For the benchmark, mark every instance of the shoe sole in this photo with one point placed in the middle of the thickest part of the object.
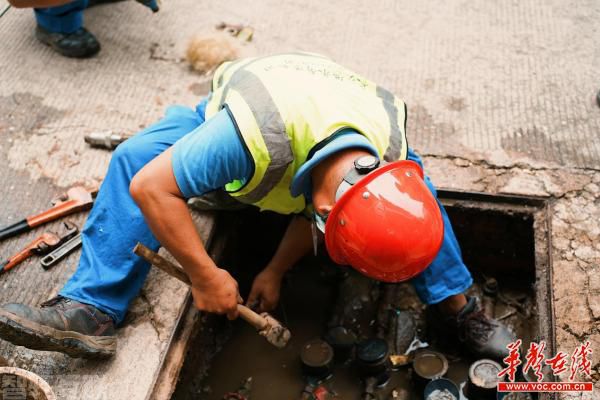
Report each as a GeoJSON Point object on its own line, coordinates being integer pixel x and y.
{"type": "Point", "coordinates": [32, 335]}
{"type": "Point", "coordinates": [81, 54]}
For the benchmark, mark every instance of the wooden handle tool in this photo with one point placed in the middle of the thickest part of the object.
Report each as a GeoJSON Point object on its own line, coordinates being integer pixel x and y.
{"type": "Point", "coordinates": [265, 324]}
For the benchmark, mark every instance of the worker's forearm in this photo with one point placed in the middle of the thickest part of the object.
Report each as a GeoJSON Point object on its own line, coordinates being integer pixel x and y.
{"type": "Point", "coordinates": [171, 222]}
{"type": "Point", "coordinates": [295, 244]}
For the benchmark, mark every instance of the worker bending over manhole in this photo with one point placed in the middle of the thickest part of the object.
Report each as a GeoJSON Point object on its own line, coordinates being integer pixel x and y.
{"type": "Point", "coordinates": [291, 133]}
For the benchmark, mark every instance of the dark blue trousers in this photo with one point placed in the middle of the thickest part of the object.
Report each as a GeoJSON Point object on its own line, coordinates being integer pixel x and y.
{"type": "Point", "coordinates": [62, 19]}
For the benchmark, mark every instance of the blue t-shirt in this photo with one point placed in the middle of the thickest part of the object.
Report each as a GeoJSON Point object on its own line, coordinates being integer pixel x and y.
{"type": "Point", "coordinates": [213, 155]}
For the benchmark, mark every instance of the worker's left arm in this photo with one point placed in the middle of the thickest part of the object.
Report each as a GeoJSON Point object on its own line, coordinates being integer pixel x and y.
{"type": "Point", "coordinates": [295, 244]}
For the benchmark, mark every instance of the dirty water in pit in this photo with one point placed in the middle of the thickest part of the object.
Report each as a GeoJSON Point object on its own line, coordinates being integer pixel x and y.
{"type": "Point", "coordinates": [307, 303]}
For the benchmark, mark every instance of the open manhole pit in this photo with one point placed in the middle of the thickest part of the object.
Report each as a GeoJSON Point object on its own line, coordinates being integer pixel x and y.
{"type": "Point", "coordinates": [504, 239]}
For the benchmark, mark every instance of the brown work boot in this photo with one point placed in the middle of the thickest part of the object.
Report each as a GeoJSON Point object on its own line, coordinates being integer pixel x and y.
{"type": "Point", "coordinates": [479, 335]}
{"type": "Point", "coordinates": [60, 324]}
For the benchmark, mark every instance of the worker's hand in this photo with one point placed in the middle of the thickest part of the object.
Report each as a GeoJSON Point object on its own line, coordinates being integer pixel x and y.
{"type": "Point", "coordinates": [265, 291]}
{"type": "Point", "coordinates": [218, 294]}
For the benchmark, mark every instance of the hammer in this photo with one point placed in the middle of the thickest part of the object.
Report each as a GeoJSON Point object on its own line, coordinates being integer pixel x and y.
{"type": "Point", "coordinates": [265, 324]}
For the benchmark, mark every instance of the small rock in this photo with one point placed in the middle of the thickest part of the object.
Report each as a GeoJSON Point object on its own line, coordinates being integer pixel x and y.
{"type": "Point", "coordinates": [586, 253]}
{"type": "Point", "coordinates": [561, 243]}
{"type": "Point", "coordinates": [461, 162]}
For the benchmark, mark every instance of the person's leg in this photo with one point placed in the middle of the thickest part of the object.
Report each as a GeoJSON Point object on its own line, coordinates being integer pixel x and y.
{"type": "Point", "coordinates": [451, 313]}
{"type": "Point", "coordinates": [80, 321]}
{"type": "Point", "coordinates": [62, 19]}
{"type": "Point", "coordinates": [62, 28]}
{"type": "Point", "coordinates": [109, 275]}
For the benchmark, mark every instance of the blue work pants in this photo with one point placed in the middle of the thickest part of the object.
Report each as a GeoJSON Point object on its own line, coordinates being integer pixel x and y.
{"type": "Point", "coordinates": [62, 19]}
{"type": "Point", "coordinates": [109, 275]}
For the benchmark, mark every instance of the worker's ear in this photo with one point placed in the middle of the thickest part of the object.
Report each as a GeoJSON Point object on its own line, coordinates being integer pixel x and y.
{"type": "Point", "coordinates": [324, 209]}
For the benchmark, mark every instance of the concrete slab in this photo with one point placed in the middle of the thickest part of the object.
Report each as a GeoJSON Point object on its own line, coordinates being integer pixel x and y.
{"type": "Point", "coordinates": [501, 98]}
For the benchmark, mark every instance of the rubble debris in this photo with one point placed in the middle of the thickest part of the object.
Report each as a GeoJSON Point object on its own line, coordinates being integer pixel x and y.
{"type": "Point", "coordinates": [399, 394]}
{"type": "Point", "coordinates": [320, 392]}
{"type": "Point", "coordinates": [397, 326]}
{"type": "Point", "coordinates": [240, 31]}
{"type": "Point", "coordinates": [488, 300]}
{"type": "Point", "coordinates": [356, 297]}
{"type": "Point", "coordinates": [207, 52]}
{"type": "Point", "coordinates": [400, 360]}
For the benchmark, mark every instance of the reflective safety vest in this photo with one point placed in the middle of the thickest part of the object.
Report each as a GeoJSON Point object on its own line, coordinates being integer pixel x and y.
{"type": "Point", "coordinates": [285, 105]}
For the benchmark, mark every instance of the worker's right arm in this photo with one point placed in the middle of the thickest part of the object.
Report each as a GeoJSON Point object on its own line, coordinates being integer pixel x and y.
{"type": "Point", "coordinates": [203, 160]}
{"type": "Point", "coordinates": [155, 191]}
{"type": "Point", "coordinates": [38, 3]}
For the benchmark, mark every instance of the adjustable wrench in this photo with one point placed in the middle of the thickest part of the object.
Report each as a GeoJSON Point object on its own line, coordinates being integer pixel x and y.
{"type": "Point", "coordinates": [67, 248]}
{"type": "Point", "coordinates": [76, 199]}
{"type": "Point", "coordinates": [43, 244]}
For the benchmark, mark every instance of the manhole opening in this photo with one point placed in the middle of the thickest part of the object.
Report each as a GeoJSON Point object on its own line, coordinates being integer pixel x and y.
{"type": "Point", "coordinates": [501, 237]}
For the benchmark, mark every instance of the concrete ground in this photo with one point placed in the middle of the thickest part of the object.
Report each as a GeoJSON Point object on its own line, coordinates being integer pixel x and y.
{"type": "Point", "coordinates": [501, 99]}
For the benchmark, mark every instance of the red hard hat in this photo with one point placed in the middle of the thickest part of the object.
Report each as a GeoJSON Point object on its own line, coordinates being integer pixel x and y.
{"type": "Point", "coordinates": [388, 225]}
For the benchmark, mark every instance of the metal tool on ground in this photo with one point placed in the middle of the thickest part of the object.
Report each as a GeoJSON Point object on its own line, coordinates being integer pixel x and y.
{"type": "Point", "coordinates": [76, 199]}
{"type": "Point", "coordinates": [105, 140]}
{"type": "Point", "coordinates": [265, 324]}
{"type": "Point", "coordinates": [43, 244]}
{"type": "Point", "coordinates": [61, 252]}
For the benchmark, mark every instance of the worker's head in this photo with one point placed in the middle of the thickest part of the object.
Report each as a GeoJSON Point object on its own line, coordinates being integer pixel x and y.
{"type": "Point", "coordinates": [380, 219]}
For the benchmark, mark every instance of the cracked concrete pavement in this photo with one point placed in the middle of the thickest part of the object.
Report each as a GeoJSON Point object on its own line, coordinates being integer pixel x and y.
{"type": "Point", "coordinates": [501, 99]}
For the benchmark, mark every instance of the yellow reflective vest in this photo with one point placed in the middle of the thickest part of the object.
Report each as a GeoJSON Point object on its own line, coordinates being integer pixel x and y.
{"type": "Point", "coordinates": [285, 105]}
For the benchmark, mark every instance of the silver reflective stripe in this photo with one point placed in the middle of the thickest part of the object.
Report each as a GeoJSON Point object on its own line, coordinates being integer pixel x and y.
{"type": "Point", "coordinates": [228, 84]}
{"type": "Point", "coordinates": [393, 151]}
{"type": "Point", "coordinates": [222, 76]}
{"type": "Point", "coordinates": [226, 88]}
{"type": "Point", "coordinates": [272, 129]}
